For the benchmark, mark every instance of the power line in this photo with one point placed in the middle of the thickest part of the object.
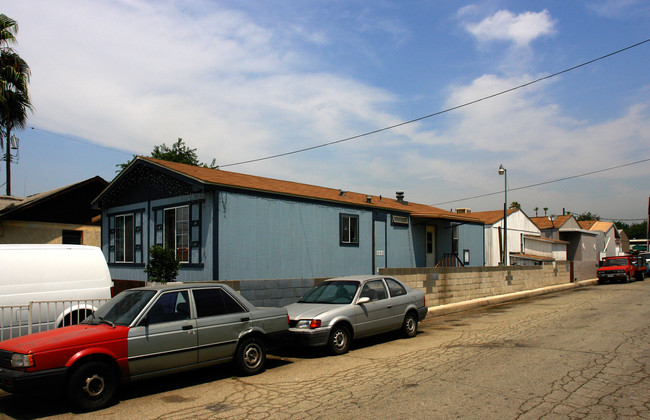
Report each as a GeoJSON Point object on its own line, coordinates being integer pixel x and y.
{"type": "Point", "coordinates": [546, 182]}
{"type": "Point", "coordinates": [439, 112]}
{"type": "Point", "coordinates": [78, 140]}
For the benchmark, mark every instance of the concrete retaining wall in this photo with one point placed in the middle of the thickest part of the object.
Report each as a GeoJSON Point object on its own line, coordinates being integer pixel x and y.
{"type": "Point", "coordinates": [451, 285]}
{"type": "Point", "coordinates": [441, 285]}
{"type": "Point", "coordinates": [274, 293]}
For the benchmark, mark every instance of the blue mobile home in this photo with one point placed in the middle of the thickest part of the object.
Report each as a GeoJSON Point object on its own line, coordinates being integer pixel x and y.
{"type": "Point", "coordinates": [229, 226]}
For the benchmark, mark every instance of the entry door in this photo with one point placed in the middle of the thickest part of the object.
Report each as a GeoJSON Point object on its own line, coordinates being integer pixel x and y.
{"type": "Point", "coordinates": [430, 246]}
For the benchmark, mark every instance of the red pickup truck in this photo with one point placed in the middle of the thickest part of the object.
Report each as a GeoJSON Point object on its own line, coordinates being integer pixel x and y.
{"type": "Point", "coordinates": [622, 268]}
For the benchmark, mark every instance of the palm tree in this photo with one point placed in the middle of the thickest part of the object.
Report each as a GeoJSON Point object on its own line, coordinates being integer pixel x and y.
{"type": "Point", "coordinates": [14, 97]}
{"type": "Point", "coordinates": [8, 29]}
{"type": "Point", "coordinates": [515, 205]}
{"type": "Point", "coordinates": [545, 210]}
{"type": "Point", "coordinates": [536, 209]}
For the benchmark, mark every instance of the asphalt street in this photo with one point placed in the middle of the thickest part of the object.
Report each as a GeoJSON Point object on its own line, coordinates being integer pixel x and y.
{"type": "Point", "coordinates": [578, 353]}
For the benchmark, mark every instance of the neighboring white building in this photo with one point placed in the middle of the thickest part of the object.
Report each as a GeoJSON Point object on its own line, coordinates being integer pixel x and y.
{"type": "Point", "coordinates": [538, 249]}
{"type": "Point", "coordinates": [519, 227]}
{"type": "Point", "coordinates": [609, 240]}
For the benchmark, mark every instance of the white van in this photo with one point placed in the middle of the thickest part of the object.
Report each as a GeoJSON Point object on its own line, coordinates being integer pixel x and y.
{"type": "Point", "coordinates": [68, 281]}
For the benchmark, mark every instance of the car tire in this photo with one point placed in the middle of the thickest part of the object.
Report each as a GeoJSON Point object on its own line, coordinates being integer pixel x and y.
{"type": "Point", "coordinates": [410, 325]}
{"type": "Point", "coordinates": [92, 386]}
{"type": "Point", "coordinates": [627, 278]}
{"type": "Point", "coordinates": [339, 340]}
{"type": "Point", "coordinates": [250, 356]}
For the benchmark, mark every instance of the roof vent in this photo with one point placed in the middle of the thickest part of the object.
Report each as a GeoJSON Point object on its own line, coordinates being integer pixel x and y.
{"type": "Point", "coordinates": [463, 211]}
{"type": "Point", "coordinates": [342, 193]}
{"type": "Point", "coordinates": [368, 199]}
{"type": "Point", "coordinates": [400, 197]}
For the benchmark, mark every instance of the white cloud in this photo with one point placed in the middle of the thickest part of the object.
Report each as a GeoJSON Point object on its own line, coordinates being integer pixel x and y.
{"type": "Point", "coordinates": [621, 8]}
{"type": "Point", "coordinates": [519, 29]}
{"type": "Point", "coordinates": [237, 90]}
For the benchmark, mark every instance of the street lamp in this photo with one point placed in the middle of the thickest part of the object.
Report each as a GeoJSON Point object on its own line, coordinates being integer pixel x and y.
{"type": "Point", "coordinates": [502, 171]}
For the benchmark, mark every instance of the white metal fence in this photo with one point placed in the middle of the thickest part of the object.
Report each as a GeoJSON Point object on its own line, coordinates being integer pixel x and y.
{"type": "Point", "coordinates": [16, 321]}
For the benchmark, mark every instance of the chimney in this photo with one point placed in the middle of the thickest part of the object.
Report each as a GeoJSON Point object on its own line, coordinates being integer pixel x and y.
{"type": "Point", "coordinates": [400, 197]}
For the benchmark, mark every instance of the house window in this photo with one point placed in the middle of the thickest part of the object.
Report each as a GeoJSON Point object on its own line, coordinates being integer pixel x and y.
{"type": "Point", "coordinates": [454, 240]}
{"type": "Point", "coordinates": [71, 237]}
{"type": "Point", "coordinates": [429, 242]}
{"type": "Point", "coordinates": [349, 229]}
{"type": "Point", "coordinates": [177, 232]}
{"type": "Point", "coordinates": [124, 238]}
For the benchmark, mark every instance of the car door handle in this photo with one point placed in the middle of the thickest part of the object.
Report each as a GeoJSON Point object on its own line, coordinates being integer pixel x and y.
{"type": "Point", "coordinates": [244, 319]}
{"type": "Point", "coordinates": [187, 327]}
{"type": "Point", "coordinates": [389, 306]}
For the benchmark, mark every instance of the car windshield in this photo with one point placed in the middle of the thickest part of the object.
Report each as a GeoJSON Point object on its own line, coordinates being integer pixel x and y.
{"type": "Point", "coordinates": [337, 292]}
{"type": "Point", "coordinates": [614, 262]}
{"type": "Point", "coordinates": [122, 309]}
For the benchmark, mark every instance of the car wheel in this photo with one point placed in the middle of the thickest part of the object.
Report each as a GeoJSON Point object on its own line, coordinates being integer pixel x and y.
{"type": "Point", "coordinates": [627, 278]}
{"type": "Point", "coordinates": [250, 356]}
{"type": "Point", "coordinates": [410, 325]}
{"type": "Point", "coordinates": [92, 386]}
{"type": "Point", "coordinates": [339, 341]}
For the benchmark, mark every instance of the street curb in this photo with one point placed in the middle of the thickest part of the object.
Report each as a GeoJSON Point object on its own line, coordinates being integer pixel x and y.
{"type": "Point", "coordinates": [468, 305]}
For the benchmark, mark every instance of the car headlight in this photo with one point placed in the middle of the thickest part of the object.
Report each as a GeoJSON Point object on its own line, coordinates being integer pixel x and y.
{"type": "Point", "coordinates": [308, 323]}
{"type": "Point", "coordinates": [22, 360]}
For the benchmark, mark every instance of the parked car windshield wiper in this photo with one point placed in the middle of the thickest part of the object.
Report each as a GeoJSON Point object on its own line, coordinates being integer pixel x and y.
{"type": "Point", "coordinates": [105, 321]}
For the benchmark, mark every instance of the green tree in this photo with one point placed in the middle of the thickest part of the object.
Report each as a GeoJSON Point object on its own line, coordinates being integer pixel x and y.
{"type": "Point", "coordinates": [587, 216]}
{"type": "Point", "coordinates": [637, 230]}
{"type": "Point", "coordinates": [14, 96]}
{"type": "Point", "coordinates": [178, 152]}
{"type": "Point", "coordinates": [162, 265]}
{"type": "Point", "coordinates": [515, 205]}
{"type": "Point", "coordinates": [545, 210]}
{"type": "Point", "coordinates": [536, 210]}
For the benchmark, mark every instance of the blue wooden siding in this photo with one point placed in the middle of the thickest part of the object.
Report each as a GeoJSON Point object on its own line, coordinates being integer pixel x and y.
{"type": "Point", "coordinates": [149, 212]}
{"type": "Point", "coordinates": [470, 237]}
{"type": "Point", "coordinates": [400, 252]}
{"type": "Point", "coordinates": [245, 236]}
{"type": "Point", "coordinates": [269, 238]}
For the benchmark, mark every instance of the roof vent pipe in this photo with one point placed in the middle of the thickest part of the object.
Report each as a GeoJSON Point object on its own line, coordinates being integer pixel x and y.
{"type": "Point", "coordinates": [400, 197]}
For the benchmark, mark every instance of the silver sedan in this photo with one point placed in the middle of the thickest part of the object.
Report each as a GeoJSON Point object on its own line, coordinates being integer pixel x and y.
{"type": "Point", "coordinates": [341, 309]}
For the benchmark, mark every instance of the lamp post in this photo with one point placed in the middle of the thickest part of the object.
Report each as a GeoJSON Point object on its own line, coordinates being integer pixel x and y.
{"type": "Point", "coordinates": [502, 171]}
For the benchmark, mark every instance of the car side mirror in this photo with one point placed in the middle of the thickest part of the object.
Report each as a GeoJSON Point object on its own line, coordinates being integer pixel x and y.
{"type": "Point", "coordinates": [363, 300]}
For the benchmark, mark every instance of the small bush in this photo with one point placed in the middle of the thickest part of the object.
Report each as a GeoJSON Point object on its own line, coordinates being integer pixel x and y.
{"type": "Point", "coordinates": [162, 265]}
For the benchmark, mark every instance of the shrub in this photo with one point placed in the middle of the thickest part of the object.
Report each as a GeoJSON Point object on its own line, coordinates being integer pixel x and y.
{"type": "Point", "coordinates": [162, 265]}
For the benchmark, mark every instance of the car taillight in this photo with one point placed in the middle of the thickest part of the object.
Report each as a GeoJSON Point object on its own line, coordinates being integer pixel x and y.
{"type": "Point", "coordinates": [315, 323]}
{"type": "Point", "coordinates": [288, 320]}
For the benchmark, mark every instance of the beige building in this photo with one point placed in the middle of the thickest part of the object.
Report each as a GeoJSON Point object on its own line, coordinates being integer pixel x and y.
{"type": "Point", "coordinates": [60, 216]}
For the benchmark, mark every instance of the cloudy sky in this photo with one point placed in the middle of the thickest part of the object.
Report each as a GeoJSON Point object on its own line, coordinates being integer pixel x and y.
{"type": "Point", "coordinates": [243, 80]}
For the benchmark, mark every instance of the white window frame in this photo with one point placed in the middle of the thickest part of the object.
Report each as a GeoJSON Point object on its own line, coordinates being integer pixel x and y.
{"type": "Point", "coordinates": [184, 257]}
{"type": "Point", "coordinates": [131, 237]}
